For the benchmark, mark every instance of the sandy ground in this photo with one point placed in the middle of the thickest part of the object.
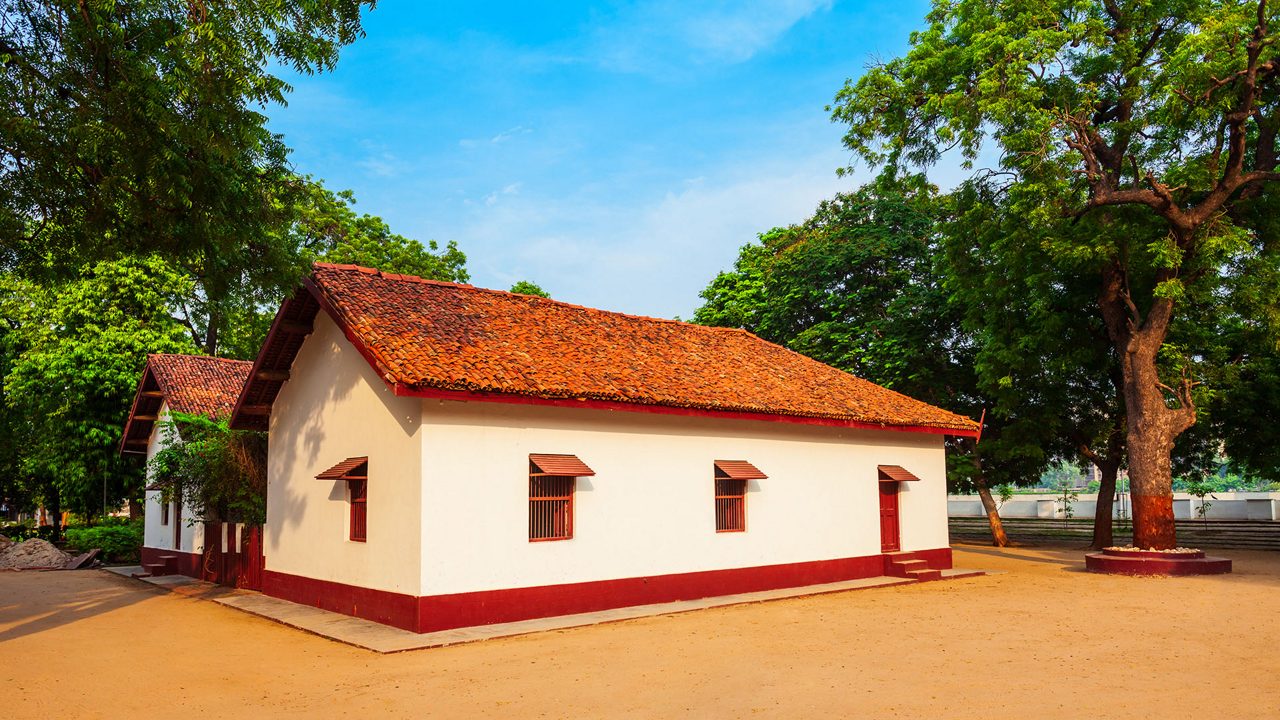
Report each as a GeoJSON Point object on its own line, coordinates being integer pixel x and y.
{"type": "Point", "coordinates": [1043, 640]}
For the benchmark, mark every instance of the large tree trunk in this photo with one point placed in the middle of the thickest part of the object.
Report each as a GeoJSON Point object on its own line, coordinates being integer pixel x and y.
{"type": "Point", "coordinates": [1151, 424]}
{"type": "Point", "coordinates": [998, 536]}
{"type": "Point", "coordinates": [1103, 527]}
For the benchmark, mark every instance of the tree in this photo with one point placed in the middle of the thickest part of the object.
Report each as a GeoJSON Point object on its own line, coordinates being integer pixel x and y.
{"type": "Point", "coordinates": [83, 344]}
{"type": "Point", "coordinates": [135, 128]}
{"type": "Point", "coordinates": [1154, 124]}
{"type": "Point", "coordinates": [321, 225]}
{"type": "Point", "coordinates": [1040, 346]}
{"type": "Point", "coordinates": [220, 473]}
{"type": "Point", "coordinates": [525, 287]}
{"type": "Point", "coordinates": [861, 286]}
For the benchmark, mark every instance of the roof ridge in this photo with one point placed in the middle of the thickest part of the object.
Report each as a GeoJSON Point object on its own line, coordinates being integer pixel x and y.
{"type": "Point", "coordinates": [200, 357]}
{"type": "Point", "coordinates": [536, 298]}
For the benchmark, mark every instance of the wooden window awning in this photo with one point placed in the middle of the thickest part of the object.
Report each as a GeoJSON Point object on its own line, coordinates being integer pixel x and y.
{"type": "Point", "coordinates": [738, 470]}
{"type": "Point", "coordinates": [351, 468]}
{"type": "Point", "coordinates": [562, 465]}
{"type": "Point", "coordinates": [895, 473]}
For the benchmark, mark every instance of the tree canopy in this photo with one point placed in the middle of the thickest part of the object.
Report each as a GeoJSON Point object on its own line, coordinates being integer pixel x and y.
{"type": "Point", "coordinates": [75, 351]}
{"type": "Point", "coordinates": [525, 287]}
{"type": "Point", "coordinates": [137, 127]}
{"type": "Point", "coordinates": [1153, 126]}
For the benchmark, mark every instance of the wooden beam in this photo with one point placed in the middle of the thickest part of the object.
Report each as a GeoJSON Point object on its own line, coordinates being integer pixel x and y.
{"type": "Point", "coordinates": [294, 328]}
{"type": "Point", "coordinates": [255, 409]}
{"type": "Point", "coordinates": [140, 441]}
{"type": "Point", "coordinates": [152, 393]}
{"type": "Point", "coordinates": [280, 375]}
{"type": "Point", "coordinates": [145, 417]}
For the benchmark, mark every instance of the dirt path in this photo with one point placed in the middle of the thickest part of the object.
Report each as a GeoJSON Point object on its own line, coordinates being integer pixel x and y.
{"type": "Point", "coordinates": [1044, 640]}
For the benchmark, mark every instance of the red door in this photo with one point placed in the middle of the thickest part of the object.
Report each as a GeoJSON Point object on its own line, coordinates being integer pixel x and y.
{"type": "Point", "coordinates": [249, 574]}
{"type": "Point", "coordinates": [889, 517]}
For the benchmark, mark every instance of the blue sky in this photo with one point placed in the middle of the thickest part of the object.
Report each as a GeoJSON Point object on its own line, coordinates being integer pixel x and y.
{"type": "Point", "coordinates": [618, 154]}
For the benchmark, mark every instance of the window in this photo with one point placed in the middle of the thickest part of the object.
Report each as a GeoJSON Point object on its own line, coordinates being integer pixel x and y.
{"type": "Point", "coordinates": [731, 493]}
{"type": "Point", "coordinates": [552, 480]}
{"type": "Point", "coordinates": [355, 472]}
{"type": "Point", "coordinates": [731, 505]}
{"type": "Point", "coordinates": [359, 519]}
{"type": "Point", "coordinates": [551, 507]}
{"type": "Point", "coordinates": [164, 511]}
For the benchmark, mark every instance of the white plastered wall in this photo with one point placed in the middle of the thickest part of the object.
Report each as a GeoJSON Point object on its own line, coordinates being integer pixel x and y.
{"type": "Point", "coordinates": [154, 534]}
{"type": "Point", "coordinates": [649, 508]}
{"type": "Point", "coordinates": [335, 407]}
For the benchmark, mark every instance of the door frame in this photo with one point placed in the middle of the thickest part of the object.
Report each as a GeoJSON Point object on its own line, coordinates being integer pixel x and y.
{"type": "Point", "coordinates": [895, 544]}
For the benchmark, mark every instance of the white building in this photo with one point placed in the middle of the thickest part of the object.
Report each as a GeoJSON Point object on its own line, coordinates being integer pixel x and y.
{"type": "Point", "coordinates": [187, 384]}
{"type": "Point", "coordinates": [444, 456]}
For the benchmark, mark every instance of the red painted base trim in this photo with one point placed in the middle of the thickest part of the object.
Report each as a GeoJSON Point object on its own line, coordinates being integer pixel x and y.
{"type": "Point", "coordinates": [445, 612]}
{"type": "Point", "coordinates": [184, 563]}
{"type": "Point", "coordinates": [1145, 564]}
{"type": "Point", "coordinates": [388, 608]}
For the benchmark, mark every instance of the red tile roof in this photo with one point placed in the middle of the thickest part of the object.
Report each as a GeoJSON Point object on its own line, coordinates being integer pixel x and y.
{"type": "Point", "coordinates": [200, 385]}
{"type": "Point", "coordinates": [424, 335]}
{"type": "Point", "coordinates": [190, 384]}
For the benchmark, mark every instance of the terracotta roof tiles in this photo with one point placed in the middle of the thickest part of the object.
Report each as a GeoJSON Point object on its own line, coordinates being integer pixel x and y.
{"type": "Point", "coordinates": [190, 384]}
{"type": "Point", "coordinates": [423, 334]}
{"type": "Point", "coordinates": [200, 385]}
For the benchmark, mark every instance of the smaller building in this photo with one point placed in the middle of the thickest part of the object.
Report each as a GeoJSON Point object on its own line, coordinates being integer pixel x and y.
{"type": "Point", "coordinates": [191, 385]}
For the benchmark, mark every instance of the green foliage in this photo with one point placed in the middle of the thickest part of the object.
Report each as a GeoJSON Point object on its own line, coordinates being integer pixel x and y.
{"type": "Point", "coordinates": [1067, 497]}
{"type": "Point", "coordinates": [1137, 159]}
{"type": "Point", "coordinates": [137, 128]}
{"type": "Point", "coordinates": [328, 228]}
{"type": "Point", "coordinates": [76, 350]}
{"type": "Point", "coordinates": [18, 532]}
{"type": "Point", "coordinates": [219, 473]}
{"type": "Point", "coordinates": [1005, 492]}
{"type": "Point", "coordinates": [119, 542]}
{"type": "Point", "coordinates": [862, 286]}
{"type": "Point", "coordinates": [525, 287]}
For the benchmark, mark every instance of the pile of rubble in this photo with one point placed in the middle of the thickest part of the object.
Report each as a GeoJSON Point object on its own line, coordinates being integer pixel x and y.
{"type": "Point", "coordinates": [30, 554]}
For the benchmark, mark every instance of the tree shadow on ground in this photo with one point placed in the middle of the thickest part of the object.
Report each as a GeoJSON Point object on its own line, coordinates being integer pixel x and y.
{"type": "Point", "coordinates": [33, 603]}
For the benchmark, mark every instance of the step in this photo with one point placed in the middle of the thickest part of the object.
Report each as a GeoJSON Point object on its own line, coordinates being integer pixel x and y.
{"type": "Point", "coordinates": [140, 575]}
{"type": "Point", "coordinates": [156, 569]}
{"type": "Point", "coordinates": [924, 575]}
{"type": "Point", "coordinates": [902, 568]}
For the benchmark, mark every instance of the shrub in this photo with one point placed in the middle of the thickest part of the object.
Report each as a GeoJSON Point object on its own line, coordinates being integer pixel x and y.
{"type": "Point", "coordinates": [119, 541]}
{"type": "Point", "coordinates": [18, 532]}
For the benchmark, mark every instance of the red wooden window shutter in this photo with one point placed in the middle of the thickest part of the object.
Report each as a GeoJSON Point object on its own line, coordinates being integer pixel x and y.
{"type": "Point", "coordinates": [552, 481]}
{"type": "Point", "coordinates": [359, 509]}
{"type": "Point", "coordinates": [731, 493]}
{"type": "Point", "coordinates": [355, 472]}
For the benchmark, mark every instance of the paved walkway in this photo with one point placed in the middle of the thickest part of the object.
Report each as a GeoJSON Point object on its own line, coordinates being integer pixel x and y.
{"type": "Point", "coordinates": [386, 639]}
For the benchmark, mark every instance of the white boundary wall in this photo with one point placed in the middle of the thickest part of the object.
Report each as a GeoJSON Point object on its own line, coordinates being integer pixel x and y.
{"type": "Point", "coordinates": [1226, 506]}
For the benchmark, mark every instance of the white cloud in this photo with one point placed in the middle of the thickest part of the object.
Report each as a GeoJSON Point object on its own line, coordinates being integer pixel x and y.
{"type": "Point", "coordinates": [660, 36]}
{"type": "Point", "coordinates": [498, 139]}
{"type": "Point", "coordinates": [648, 257]}
{"type": "Point", "coordinates": [492, 198]}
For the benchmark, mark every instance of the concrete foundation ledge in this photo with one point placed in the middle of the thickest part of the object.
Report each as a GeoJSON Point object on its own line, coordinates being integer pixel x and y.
{"type": "Point", "coordinates": [1150, 562]}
